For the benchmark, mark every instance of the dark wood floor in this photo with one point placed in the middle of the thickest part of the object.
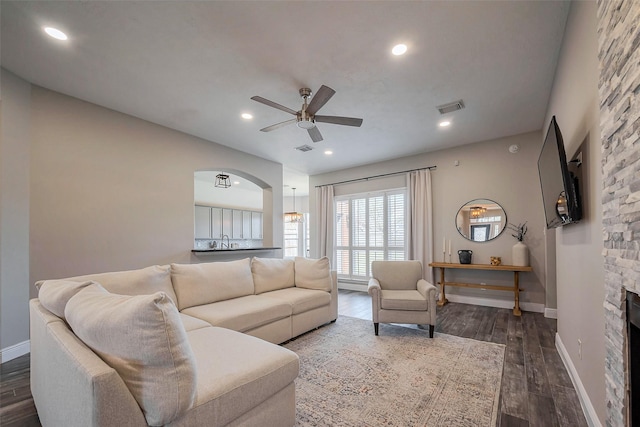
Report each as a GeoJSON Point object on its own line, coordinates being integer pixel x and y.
{"type": "Point", "coordinates": [536, 389]}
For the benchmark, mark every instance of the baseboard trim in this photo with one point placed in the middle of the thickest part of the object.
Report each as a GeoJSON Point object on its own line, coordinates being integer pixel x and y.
{"type": "Point", "coordinates": [551, 313]}
{"type": "Point", "coordinates": [352, 287]}
{"type": "Point", "coordinates": [499, 303]}
{"type": "Point", "coordinates": [15, 351]}
{"type": "Point", "coordinates": [585, 402]}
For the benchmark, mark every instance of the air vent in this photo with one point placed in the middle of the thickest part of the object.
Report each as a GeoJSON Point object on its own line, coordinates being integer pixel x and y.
{"type": "Point", "coordinates": [451, 107]}
{"type": "Point", "coordinates": [304, 148]}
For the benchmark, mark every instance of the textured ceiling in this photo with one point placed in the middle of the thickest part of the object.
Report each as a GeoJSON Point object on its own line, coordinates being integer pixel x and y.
{"type": "Point", "coordinates": [193, 66]}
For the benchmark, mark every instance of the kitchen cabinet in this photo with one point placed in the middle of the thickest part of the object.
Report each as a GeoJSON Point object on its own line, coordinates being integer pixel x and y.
{"type": "Point", "coordinates": [238, 230]}
{"type": "Point", "coordinates": [203, 222]}
{"type": "Point", "coordinates": [216, 223]}
{"type": "Point", "coordinates": [213, 223]}
{"type": "Point", "coordinates": [256, 225]}
{"type": "Point", "coordinates": [227, 222]}
{"type": "Point", "coordinates": [246, 224]}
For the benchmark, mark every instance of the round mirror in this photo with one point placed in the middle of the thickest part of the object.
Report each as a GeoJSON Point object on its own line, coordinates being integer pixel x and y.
{"type": "Point", "coordinates": [481, 220]}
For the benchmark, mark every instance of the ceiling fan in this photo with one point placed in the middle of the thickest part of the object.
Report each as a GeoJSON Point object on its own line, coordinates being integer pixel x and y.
{"type": "Point", "coordinates": [306, 117]}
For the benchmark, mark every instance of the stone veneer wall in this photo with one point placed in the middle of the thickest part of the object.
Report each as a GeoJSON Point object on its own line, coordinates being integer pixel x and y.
{"type": "Point", "coordinates": [619, 87]}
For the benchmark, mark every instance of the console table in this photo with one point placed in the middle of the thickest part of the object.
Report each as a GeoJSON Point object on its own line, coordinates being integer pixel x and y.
{"type": "Point", "coordinates": [516, 277]}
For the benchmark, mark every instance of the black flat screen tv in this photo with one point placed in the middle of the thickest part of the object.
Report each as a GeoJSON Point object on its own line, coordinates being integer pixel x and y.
{"type": "Point", "coordinates": [560, 192]}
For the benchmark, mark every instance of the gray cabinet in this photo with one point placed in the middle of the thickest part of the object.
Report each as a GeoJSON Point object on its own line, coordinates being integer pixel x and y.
{"type": "Point", "coordinates": [246, 224]}
{"type": "Point", "coordinates": [256, 225]}
{"type": "Point", "coordinates": [213, 223]}
{"type": "Point", "coordinates": [238, 231]}
{"type": "Point", "coordinates": [227, 222]}
{"type": "Point", "coordinates": [203, 222]}
{"type": "Point", "coordinates": [216, 223]}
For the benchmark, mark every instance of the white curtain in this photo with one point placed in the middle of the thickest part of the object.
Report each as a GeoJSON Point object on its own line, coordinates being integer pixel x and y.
{"type": "Point", "coordinates": [421, 220]}
{"type": "Point", "coordinates": [326, 219]}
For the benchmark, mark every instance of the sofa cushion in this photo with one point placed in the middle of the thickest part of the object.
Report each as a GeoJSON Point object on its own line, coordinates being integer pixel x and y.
{"type": "Point", "coordinates": [301, 299]}
{"type": "Point", "coordinates": [313, 273]}
{"type": "Point", "coordinates": [55, 294]}
{"type": "Point", "coordinates": [403, 300]}
{"type": "Point", "coordinates": [236, 372]}
{"type": "Point", "coordinates": [241, 314]}
{"type": "Point", "coordinates": [270, 274]}
{"type": "Point", "coordinates": [198, 284]}
{"type": "Point", "coordinates": [143, 339]}
{"type": "Point", "coordinates": [191, 323]}
{"type": "Point", "coordinates": [144, 281]}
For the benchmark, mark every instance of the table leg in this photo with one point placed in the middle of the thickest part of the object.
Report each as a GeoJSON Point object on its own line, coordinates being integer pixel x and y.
{"type": "Point", "coordinates": [516, 293]}
{"type": "Point", "coordinates": [443, 300]}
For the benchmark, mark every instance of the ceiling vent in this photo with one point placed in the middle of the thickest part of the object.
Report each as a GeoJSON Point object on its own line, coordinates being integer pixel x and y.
{"type": "Point", "coordinates": [304, 148]}
{"type": "Point", "coordinates": [451, 107]}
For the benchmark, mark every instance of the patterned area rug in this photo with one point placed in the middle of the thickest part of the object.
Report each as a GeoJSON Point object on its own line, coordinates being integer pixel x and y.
{"type": "Point", "coordinates": [350, 377]}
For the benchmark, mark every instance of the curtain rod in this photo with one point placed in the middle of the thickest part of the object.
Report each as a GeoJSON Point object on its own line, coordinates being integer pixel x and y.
{"type": "Point", "coordinates": [376, 176]}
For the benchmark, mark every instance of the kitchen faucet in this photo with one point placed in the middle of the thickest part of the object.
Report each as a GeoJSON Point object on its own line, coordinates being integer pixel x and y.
{"type": "Point", "coordinates": [222, 245]}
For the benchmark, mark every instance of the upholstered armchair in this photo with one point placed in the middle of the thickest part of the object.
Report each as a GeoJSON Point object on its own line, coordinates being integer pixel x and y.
{"type": "Point", "coordinates": [399, 294]}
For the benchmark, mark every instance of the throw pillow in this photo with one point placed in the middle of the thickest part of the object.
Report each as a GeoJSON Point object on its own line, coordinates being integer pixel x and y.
{"type": "Point", "coordinates": [142, 338]}
{"type": "Point", "coordinates": [270, 274]}
{"type": "Point", "coordinates": [313, 273]}
{"type": "Point", "coordinates": [55, 294]}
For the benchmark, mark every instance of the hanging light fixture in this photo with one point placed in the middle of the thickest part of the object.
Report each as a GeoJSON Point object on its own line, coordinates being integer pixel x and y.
{"type": "Point", "coordinates": [223, 180]}
{"type": "Point", "coordinates": [293, 216]}
{"type": "Point", "coordinates": [477, 211]}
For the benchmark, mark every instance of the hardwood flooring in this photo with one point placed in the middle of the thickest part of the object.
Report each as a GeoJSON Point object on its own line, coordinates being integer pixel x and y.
{"type": "Point", "coordinates": [536, 389]}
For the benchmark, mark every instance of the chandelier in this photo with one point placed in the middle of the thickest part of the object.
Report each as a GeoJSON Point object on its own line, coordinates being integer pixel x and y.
{"type": "Point", "coordinates": [477, 211]}
{"type": "Point", "coordinates": [294, 216]}
{"type": "Point", "coordinates": [223, 181]}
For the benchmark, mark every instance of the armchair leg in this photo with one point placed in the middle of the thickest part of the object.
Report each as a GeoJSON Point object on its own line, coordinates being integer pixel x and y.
{"type": "Point", "coordinates": [375, 327]}
{"type": "Point", "coordinates": [431, 329]}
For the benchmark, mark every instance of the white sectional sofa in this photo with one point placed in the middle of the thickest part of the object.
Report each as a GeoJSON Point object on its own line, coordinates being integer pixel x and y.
{"type": "Point", "coordinates": [178, 345]}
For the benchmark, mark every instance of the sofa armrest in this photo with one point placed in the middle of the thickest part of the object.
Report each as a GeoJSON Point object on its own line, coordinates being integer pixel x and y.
{"type": "Point", "coordinates": [334, 294]}
{"type": "Point", "coordinates": [425, 288]}
{"type": "Point", "coordinates": [429, 292]}
{"type": "Point", "coordinates": [92, 388]}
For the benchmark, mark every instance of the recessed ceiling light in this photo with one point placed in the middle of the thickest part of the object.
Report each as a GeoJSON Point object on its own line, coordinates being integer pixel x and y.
{"type": "Point", "coordinates": [246, 116]}
{"type": "Point", "coordinates": [236, 182]}
{"type": "Point", "coordinates": [399, 49]}
{"type": "Point", "coordinates": [444, 123]}
{"type": "Point", "coordinates": [55, 33]}
{"type": "Point", "coordinates": [328, 152]}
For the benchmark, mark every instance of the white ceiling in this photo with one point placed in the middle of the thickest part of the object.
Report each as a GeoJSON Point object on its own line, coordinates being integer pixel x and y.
{"type": "Point", "coordinates": [193, 66]}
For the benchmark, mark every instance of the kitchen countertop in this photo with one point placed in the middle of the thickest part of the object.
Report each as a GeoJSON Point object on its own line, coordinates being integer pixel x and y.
{"type": "Point", "coordinates": [211, 250]}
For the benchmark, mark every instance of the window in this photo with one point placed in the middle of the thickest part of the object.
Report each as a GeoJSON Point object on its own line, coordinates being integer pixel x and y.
{"type": "Point", "coordinates": [296, 238]}
{"type": "Point", "coordinates": [369, 228]}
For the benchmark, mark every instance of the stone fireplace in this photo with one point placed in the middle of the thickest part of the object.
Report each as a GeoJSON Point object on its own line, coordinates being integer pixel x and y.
{"type": "Point", "coordinates": [619, 92]}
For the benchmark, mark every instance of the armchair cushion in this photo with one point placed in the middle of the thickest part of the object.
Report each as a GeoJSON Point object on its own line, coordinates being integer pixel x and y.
{"type": "Point", "coordinates": [403, 300]}
{"type": "Point", "coordinates": [397, 274]}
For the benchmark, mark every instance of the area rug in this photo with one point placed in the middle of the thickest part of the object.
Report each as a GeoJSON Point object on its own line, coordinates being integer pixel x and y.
{"type": "Point", "coordinates": [350, 377]}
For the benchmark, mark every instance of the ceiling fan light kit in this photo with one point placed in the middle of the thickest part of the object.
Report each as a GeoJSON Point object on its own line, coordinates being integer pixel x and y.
{"type": "Point", "coordinates": [306, 117]}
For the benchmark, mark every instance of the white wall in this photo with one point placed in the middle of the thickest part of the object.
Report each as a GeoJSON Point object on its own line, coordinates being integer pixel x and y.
{"type": "Point", "coordinates": [112, 192]}
{"type": "Point", "coordinates": [14, 215]}
{"type": "Point", "coordinates": [486, 170]}
{"type": "Point", "coordinates": [579, 261]}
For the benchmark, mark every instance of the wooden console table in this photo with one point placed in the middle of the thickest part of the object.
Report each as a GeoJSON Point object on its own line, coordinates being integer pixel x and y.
{"type": "Point", "coordinates": [516, 277]}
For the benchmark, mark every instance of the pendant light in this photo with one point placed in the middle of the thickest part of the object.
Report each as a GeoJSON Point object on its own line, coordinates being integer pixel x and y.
{"type": "Point", "coordinates": [223, 180]}
{"type": "Point", "coordinates": [294, 216]}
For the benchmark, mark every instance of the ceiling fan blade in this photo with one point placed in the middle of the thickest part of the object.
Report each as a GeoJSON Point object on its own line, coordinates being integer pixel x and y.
{"type": "Point", "coordinates": [273, 104]}
{"type": "Point", "coordinates": [320, 98]}
{"type": "Point", "coordinates": [337, 120]}
{"type": "Point", "coordinates": [315, 134]}
{"type": "Point", "coordinates": [277, 125]}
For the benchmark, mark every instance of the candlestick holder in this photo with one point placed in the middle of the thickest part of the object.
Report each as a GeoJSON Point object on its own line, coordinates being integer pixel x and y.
{"type": "Point", "coordinates": [449, 258]}
{"type": "Point", "coordinates": [444, 256]}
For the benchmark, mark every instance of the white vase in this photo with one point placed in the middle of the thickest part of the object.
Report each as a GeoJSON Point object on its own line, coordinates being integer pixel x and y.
{"type": "Point", "coordinates": [520, 255]}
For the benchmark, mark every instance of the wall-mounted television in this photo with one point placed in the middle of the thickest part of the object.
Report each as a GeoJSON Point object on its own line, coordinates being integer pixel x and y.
{"type": "Point", "coordinates": [560, 189]}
